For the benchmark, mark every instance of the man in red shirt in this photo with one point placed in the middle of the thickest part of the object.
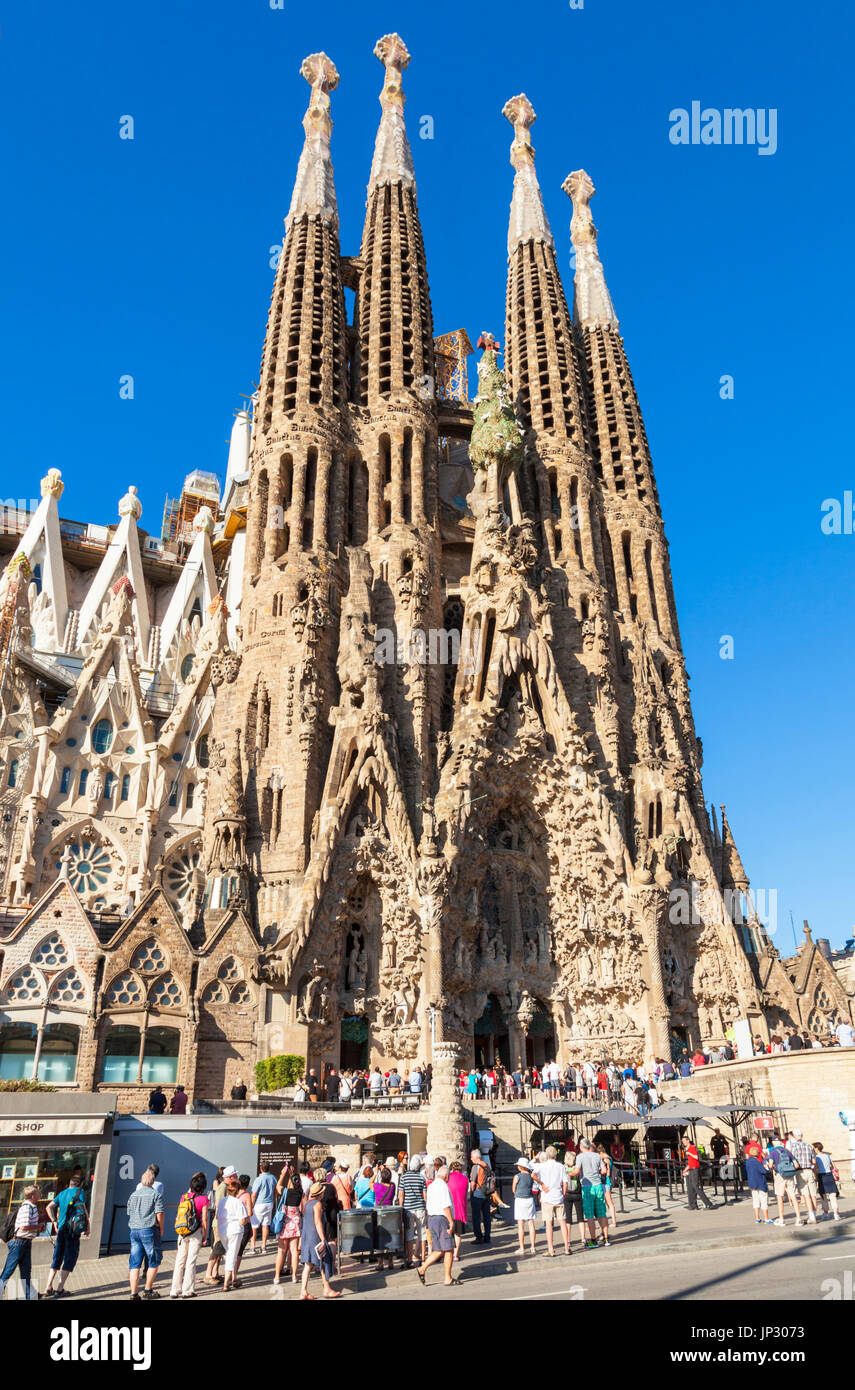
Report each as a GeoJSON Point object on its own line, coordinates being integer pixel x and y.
{"type": "Point", "coordinates": [699, 1060]}
{"type": "Point", "coordinates": [692, 1174]}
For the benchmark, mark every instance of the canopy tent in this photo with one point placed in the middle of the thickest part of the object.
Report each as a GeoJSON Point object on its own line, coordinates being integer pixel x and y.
{"type": "Point", "coordinates": [541, 1118]}
{"type": "Point", "coordinates": [611, 1119]}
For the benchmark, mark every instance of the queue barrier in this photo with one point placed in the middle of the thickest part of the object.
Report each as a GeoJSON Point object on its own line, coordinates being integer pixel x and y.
{"type": "Point", "coordinates": [370, 1231]}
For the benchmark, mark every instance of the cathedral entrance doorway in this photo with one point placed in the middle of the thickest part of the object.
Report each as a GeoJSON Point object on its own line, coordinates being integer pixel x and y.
{"type": "Point", "coordinates": [491, 1040]}
{"type": "Point", "coordinates": [354, 1043]}
{"type": "Point", "coordinates": [540, 1043]}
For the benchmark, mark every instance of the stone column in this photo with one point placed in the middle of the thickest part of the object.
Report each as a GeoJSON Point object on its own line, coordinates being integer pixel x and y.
{"type": "Point", "coordinates": [445, 1122]}
{"type": "Point", "coordinates": [653, 901]}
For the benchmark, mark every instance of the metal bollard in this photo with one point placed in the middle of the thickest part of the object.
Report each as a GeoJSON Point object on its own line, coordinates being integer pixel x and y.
{"type": "Point", "coordinates": [621, 1186]}
{"type": "Point", "coordinates": [656, 1180]}
{"type": "Point", "coordinates": [635, 1182]}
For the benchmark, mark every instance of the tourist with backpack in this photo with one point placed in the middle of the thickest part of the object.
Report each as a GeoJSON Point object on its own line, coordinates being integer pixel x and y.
{"type": "Point", "coordinates": [68, 1213]}
{"type": "Point", "coordinates": [18, 1231]}
{"type": "Point", "coordinates": [191, 1228]}
{"type": "Point", "coordinates": [482, 1185]}
{"type": "Point", "coordinates": [785, 1168]}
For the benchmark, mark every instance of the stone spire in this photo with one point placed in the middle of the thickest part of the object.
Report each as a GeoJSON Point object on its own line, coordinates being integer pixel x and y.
{"type": "Point", "coordinates": [593, 304]}
{"type": "Point", "coordinates": [314, 190]}
{"type": "Point", "coordinates": [528, 217]}
{"type": "Point", "coordinates": [393, 161]}
{"type": "Point", "coordinates": [393, 315]}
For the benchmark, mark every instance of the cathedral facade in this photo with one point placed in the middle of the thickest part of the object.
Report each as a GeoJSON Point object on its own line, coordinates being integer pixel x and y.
{"type": "Point", "coordinates": [389, 744]}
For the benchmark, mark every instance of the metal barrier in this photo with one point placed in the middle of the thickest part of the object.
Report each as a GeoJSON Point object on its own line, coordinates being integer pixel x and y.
{"type": "Point", "coordinates": [370, 1231]}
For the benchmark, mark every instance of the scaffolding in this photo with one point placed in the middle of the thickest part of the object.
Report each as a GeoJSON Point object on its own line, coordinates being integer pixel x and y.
{"type": "Point", "coordinates": [451, 351]}
{"type": "Point", "coordinates": [200, 489]}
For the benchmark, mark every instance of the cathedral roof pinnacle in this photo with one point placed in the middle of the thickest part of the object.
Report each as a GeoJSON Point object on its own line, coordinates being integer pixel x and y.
{"type": "Point", "coordinates": [593, 304]}
{"type": "Point", "coordinates": [393, 160]}
{"type": "Point", "coordinates": [130, 505]}
{"type": "Point", "coordinates": [528, 216]}
{"type": "Point", "coordinates": [314, 190]}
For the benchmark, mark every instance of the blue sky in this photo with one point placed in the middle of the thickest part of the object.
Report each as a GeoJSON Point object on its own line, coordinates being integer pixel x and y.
{"type": "Point", "coordinates": [151, 257]}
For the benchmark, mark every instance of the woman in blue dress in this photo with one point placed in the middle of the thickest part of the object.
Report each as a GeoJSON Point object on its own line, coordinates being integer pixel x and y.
{"type": "Point", "coordinates": [315, 1246]}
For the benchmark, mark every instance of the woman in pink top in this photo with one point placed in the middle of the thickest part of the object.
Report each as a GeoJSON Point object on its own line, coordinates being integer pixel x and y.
{"type": "Point", "coordinates": [384, 1195]}
{"type": "Point", "coordinates": [458, 1186]}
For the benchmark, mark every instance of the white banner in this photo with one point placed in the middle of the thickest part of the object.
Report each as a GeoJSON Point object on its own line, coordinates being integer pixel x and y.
{"type": "Point", "coordinates": [27, 1127]}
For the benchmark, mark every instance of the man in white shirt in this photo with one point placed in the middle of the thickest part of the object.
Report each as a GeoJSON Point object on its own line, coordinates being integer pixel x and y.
{"type": "Point", "coordinates": [845, 1034]}
{"type": "Point", "coordinates": [20, 1247]}
{"type": "Point", "coordinates": [440, 1218]}
{"type": "Point", "coordinates": [553, 1185]}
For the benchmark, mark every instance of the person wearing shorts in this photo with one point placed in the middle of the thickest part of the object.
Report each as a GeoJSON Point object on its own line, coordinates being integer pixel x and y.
{"type": "Point", "coordinates": [785, 1182]}
{"type": "Point", "coordinates": [588, 1170]}
{"type": "Point", "coordinates": [145, 1223]}
{"type": "Point", "coordinates": [263, 1192]}
{"type": "Point", "coordinates": [805, 1157]}
{"type": "Point", "coordinates": [756, 1170]}
{"type": "Point", "coordinates": [552, 1181]}
{"type": "Point", "coordinates": [440, 1216]}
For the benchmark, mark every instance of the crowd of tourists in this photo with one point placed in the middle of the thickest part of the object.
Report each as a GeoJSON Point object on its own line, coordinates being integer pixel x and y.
{"type": "Point", "coordinates": [338, 1087]}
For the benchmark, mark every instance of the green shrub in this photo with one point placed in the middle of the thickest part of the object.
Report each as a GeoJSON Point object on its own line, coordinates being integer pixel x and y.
{"type": "Point", "coordinates": [25, 1086]}
{"type": "Point", "coordinates": [272, 1073]}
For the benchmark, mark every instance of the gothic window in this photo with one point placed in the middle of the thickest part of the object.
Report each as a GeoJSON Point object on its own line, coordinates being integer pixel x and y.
{"type": "Point", "coordinates": [68, 989]}
{"type": "Point", "coordinates": [166, 993]}
{"type": "Point", "coordinates": [215, 993]}
{"type": "Point", "coordinates": [186, 666]}
{"type": "Point", "coordinates": [229, 970]}
{"type": "Point", "coordinates": [102, 736]}
{"type": "Point", "coordinates": [126, 786]}
{"type": "Point", "coordinates": [25, 987]}
{"type": "Point", "coordinates": [241, 994]}
{"type": "Point", "coordinates": [13, 773]}
{"type": "Point", "coordinates": [149, 958]}
{"type": "Point", "coordinates": [203, 755]}
{"type": "Point", "coordinates": [109, 786]}
{"type": "Point", "coordinates": [52, 954]}
{"type": "Point", "coordinates": [65, 781]}
{"type": "Point", "coordinates": [125, 989]}
{"type": "Point", "coordinates": [81, 784]}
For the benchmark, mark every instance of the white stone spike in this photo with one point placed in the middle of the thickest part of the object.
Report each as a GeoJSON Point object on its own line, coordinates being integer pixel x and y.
{"type": "Point", "coordinates": [528, 216]}
{"type": "Point", "coordinates": [393, 159]}
{"type": "Point", "coordinates": [197, 577]}
{"type": "Point", "coordinates": [592, 303]}
{"type": "Point", "coordinates": [42, 542]}
{"type": "Point", "coordinates": [124, 545]}
{"type": "Point", "coordinates": [239, 446]}
{"type": "Point", "coordinates": [314, 189]}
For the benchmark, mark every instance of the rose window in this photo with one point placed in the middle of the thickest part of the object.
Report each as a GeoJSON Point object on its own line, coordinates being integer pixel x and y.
{"type": "Point", "coordinates": [25, 987]}
{"type": "Point", "coordinates": [89, 866]}
{"type": "Point", "coordinates": [181, 875]}
{"type": "Point", "coordinates": [69, 990]}
{"type": "Point", "coordinates": [149, 958]}
{"type": "Point", "coordinates": [166, 994]}
{"type": "Point", "coordinates": [125, 989]}
{"type": "Point", "coordinates": [52, 953]}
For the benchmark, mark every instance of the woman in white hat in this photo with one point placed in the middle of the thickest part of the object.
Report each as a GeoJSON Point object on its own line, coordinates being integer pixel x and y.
{"type": "Point", "coordinates": [524, 1207]}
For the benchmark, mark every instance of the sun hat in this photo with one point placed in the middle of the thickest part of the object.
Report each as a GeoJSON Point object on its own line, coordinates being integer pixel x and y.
{"type": "Point", "coordinates": [230, 1171]}
{"type": "Point", "coordinates": [523, 1163]}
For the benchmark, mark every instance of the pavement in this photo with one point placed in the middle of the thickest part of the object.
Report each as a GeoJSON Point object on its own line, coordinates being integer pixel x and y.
{"type": "Point", "coordinates": [667, 1253]}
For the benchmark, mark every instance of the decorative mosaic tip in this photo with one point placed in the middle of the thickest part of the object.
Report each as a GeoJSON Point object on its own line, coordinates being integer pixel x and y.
{"type": "Point", "coordinates": [130, 505]}
{"type": "Point", "coordinates": [579, 187]}
{"type": "Point", "coordinates": [123, 585]}
{"type": "Point", "coordinates": [52, 484]}
{"type": "Point", "coordinates": [528, 215]}
{"type": "Point", "coordinates": [320, 72]}
{"type": "Point", "coordinates": [314, 190]}
{"type": "Point", "coordinates": [393, 160]}
{"type": "Point", "coordinates": [592, 304]}
{"type": "Point", "coordinates": [488, 343]}
{"type": "Point", "coordinates": [218, 605]}
{"type": "Point", "coordinates": [19, 566]}
{"type": "Point", "coordinates": [522, 116]}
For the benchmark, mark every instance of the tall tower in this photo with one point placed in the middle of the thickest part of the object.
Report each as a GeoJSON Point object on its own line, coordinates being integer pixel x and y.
{"type": "Point", "coordinates": [301, 446]}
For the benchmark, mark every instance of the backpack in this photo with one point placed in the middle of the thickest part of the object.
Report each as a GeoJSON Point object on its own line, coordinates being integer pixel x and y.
{"type": "Point", "coordinates": [487, 1186]}
{"type": "Point", "coordinates": [7, 1227]}
{"type": "Point", "coordinates": [75, 1216]}
{"type": "Point", "coordinates": [187, 1217]}
{"type": "Point", "coordinates": [786, 1166]}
